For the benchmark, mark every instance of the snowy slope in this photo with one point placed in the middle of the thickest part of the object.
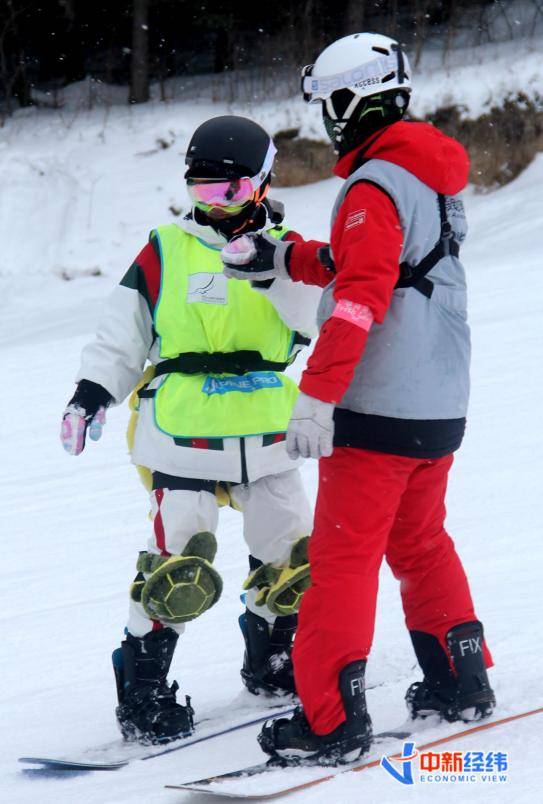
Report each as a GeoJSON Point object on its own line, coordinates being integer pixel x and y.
{"type": "Point", "coordinates": [73, 528]}
{"type": "Point", "coordinates": [82, 196]}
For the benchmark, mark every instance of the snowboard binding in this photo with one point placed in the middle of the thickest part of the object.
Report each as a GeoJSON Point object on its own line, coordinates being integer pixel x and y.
{"type": "Point", "coordinates": [267, 663]}
{"type": "Point", "coordinates": [291, 741]}
{"type": "Point", "coordinates": [148, 711]}
{"type": "Point", "coordinates": [458, 692]}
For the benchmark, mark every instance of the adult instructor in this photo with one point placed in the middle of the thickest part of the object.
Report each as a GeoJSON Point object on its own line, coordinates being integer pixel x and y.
{"type": "Point", "coordinates": [383, 405]}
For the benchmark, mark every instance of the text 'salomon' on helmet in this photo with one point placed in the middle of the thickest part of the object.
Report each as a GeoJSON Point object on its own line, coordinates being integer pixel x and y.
{"type": "Point", "coordinates": [229, 169]}
{"type": "Point", "coordinates": [363, 82]}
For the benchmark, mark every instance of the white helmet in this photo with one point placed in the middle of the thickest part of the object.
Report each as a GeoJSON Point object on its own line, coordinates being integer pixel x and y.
{"type": "Point", "coordinates": [363, 82]}
{"type": "Point", "coordinates": [365, 63]}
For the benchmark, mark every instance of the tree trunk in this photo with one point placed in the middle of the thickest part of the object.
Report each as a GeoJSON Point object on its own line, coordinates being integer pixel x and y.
{"type": "Point", "coordinates": [223, 58]}
{"type": "Point", "coordinates": [139, 74]}
{"type": "Point", "coordinates": [355, 16]}
{"type": "Point", "coordinates": [393, 19]}
{"type": "Point", "coordinates": [13, 78]}
{"type": "Point", "coordinates": [420, 9]}
{"type": "Point", "coordinates": [21, 87]}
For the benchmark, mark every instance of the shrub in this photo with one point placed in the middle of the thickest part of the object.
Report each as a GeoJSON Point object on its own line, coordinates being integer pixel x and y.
{"type": "Point", "coordinates": [501, 143]}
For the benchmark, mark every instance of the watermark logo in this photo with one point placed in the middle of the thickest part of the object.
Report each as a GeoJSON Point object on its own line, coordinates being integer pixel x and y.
{"type": "Point", "coordinates": [405, 761]}
{"type": "Point", "coordinates": [461, 767]}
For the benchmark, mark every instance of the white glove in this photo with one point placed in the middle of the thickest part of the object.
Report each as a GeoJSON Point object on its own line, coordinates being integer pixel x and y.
{"type": "Point", "coordinates": [256, 256]}
{"type": "Point", "coordinates": [310, 432]}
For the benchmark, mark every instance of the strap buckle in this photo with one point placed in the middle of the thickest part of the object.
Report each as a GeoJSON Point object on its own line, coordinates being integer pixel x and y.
{"type": "Point", "coordinates": [407, 272]}
{"type": "Point", "coordinates": [446, 231]}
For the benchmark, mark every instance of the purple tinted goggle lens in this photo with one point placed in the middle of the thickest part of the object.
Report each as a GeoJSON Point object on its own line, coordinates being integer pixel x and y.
{"type": "Point", "coordinates": [226, 194]}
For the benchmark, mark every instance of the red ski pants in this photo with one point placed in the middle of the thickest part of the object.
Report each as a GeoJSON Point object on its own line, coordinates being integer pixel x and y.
{"type": "Point", "coordinates": [371, 505]}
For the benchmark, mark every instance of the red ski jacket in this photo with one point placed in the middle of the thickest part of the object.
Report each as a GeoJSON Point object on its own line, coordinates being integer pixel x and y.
{"type": "Point", "coordinates": [366, 241]}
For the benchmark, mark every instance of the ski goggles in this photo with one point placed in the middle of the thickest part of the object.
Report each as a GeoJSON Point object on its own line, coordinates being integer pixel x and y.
{"type": "Point", "coordinates": [228, 194]}
{"type": "Point", "coordinates": [360, 79]}
{"type": "Point", "coordinates": [233, 194]}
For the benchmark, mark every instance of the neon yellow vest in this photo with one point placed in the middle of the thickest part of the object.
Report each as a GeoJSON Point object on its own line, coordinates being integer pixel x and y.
{"type": "Point", "coordinates": [199, 310]}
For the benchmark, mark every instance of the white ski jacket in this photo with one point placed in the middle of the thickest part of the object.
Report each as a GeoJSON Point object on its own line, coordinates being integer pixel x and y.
{"type": "Point", "coordinates": [125, 341]}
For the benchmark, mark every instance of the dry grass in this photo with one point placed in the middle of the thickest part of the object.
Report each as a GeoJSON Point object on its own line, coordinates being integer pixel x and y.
{"type": "Point", "coordinates": [501, 143]}
{"type": "Point", "coordinates": [301, 161]}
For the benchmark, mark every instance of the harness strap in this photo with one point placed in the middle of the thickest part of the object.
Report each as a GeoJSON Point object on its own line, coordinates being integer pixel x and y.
{"type": "Point", "coordinates": [300, 340]}
{"type": "Point", "coordinates": [240, 362]}
{"type": "Point", "coordinates": [219, 363]}
{"type": "Point", "coordinates": [414, 276]}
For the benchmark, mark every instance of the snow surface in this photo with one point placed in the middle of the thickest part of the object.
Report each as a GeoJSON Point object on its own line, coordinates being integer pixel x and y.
{"type": "Point", "coordinates": [79, 197]}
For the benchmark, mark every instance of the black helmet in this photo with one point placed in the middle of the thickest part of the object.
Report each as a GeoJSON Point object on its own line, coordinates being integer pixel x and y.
{"type": "Point", "coordinates": [239, 152]}
{"type": "Point", "coordinates": [230, 147]}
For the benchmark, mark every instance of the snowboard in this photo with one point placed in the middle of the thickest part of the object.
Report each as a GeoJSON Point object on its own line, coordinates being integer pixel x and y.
{"type": "Point", "coordinates": [130, 752]}
{"type": "Point", "coordinates": [305, 776]}
{"type": "Point", "coordinates": [73, 765]}
{"type": "Point", "coordinates": [137, 752]}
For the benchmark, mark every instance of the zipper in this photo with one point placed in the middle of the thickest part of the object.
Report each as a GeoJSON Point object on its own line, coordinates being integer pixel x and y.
{"type": "Point", "coordinates": [244, 475]}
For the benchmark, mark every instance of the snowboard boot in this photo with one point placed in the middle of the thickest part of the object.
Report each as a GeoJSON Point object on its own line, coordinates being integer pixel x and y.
{"type": "Point", "coordinates": [291, 740]}
{"type": "Point", "coordinates": [148, 711]}
{"type": "Point", "coordinates": [267, 664]}
{"type": "Point", "coordinates": [458, 692]}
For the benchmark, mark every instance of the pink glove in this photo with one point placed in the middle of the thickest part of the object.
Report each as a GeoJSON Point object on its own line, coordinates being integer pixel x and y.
{"type": "Point", "coordinates": [85, 410]}
{"type": "Point", "coordinates": [74, 428]}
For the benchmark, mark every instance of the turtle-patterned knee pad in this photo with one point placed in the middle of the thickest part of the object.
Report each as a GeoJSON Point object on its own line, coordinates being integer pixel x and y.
{"type": "Point", "coordinates": [177, 589]}
{"type": "Point", "coordinates": [281, 588]}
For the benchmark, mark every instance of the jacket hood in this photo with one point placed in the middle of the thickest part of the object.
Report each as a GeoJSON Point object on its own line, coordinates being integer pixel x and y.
{"type": "Point", "coordinates": [439, 161]}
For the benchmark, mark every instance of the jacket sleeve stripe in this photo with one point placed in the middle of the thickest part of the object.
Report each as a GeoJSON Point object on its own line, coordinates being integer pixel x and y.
{"type": "Point", "coordinates": [144, 275]}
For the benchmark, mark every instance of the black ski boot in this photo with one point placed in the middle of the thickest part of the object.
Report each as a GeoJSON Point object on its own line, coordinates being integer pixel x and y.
{"type": "Point", "coordinates": [464, 694]}
{"type": "Point", "coordinates": [148, 711]}
{"type": "Point", "coordinates": [291, 740]}
{"type": "Point", "coordinates": [267, 664]}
